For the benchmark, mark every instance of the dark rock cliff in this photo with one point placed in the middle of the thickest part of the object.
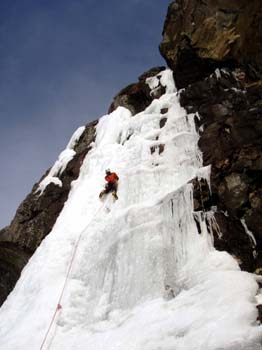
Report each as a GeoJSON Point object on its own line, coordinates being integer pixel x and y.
{"type": "Point", "coordinates": [137, 96]}
{"type": "Point", "coordinates": [199, 36]}
{"type": "Point", "coordinates": [231, 141]}
{"type": "Point", "coordinates": [36, 216]}
{"type": "Point", "coordinates": [214, 49]}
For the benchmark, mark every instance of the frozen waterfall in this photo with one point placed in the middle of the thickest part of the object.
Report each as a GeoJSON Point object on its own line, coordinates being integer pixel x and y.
{"type": "Point", "coordinates": [143, 278]}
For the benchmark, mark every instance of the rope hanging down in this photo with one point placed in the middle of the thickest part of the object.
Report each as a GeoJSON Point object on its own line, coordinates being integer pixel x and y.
{"type": "Point", "coordinates": [59, 303]}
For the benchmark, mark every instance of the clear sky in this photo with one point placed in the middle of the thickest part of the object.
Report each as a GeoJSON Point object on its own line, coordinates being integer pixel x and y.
{"type": "Point", "coordinates": [61, 63]}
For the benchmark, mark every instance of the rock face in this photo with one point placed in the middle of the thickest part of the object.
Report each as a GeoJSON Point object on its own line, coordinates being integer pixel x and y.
{"type": "Point", "coordinates": [136, 97]}
{"type": "Point", "coordinates": [214, 49]}
{"type": "Point", "coordinates": [230, 126]}
{"type": "Point", "coordinates": [199, 36]}
{"type": "Point", "coordinates": [35, 218]}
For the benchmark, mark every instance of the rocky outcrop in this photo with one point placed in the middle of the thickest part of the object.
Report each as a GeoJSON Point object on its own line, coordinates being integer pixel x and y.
{"type": "Point", "coordinates": [201, 195]}
{"type": "Point", "coordinates": [199, 36]}
{"type": "Point", "coordinates": [136, 97]}
{"type": "Point", "coordinates": [229, 119]}
{"type": "Point", "coordinates": [36, 216]}
{"type": "Point", "coordinates": [214, 50]}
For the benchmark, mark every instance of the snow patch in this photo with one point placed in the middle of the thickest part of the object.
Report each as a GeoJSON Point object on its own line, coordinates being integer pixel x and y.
{"type": "Point", "coordinates": [48, 180]}
{"type": "Point", "coordinates": [218, 73]}
{"type": "Point", "coordinates": [163, 78]}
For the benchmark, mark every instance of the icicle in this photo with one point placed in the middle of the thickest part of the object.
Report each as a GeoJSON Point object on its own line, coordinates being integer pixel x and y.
{"type": "Point", "coordinates": [249, 233]}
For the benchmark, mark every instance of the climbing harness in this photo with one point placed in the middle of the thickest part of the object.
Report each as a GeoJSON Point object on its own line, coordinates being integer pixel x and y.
{"type": "Point", "coordinates": [59, 303]}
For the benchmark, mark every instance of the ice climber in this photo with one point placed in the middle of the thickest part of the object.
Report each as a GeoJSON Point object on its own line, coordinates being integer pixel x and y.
{"type": "Point", "coordinates": [111, 185]}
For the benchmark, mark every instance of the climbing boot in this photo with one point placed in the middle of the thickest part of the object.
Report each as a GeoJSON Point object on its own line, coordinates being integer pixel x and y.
{"type": "Point", "coordinates": [115, 195]}
{"type": "Point", "coordinates": [101, 195]}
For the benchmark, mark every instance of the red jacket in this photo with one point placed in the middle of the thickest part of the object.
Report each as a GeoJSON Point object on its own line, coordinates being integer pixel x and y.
{"type": "Point", "coordinates": [111, 177]}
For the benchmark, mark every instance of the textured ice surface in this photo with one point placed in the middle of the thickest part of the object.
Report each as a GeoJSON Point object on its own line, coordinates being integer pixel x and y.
{"type": "Point", "coordinates": [135, 251]}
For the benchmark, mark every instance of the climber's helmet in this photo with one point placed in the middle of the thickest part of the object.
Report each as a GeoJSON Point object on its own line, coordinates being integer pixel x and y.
{"type": "Point", "coordinates": [108, 172]}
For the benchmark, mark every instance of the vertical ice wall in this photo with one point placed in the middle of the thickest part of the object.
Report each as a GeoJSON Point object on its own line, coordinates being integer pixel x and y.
{"type": "Point", "coordinates": [135, 253]}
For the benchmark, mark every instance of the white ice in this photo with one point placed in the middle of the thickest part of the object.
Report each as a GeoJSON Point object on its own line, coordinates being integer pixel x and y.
{"type": "Point", "coordinates": [218, 73]}
{"type": "Point", "coordinates": [133, 251]}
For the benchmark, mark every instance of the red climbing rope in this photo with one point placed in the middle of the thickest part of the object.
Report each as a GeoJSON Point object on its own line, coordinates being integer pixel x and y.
{"type": "Point", "coordinates": [59, 304]}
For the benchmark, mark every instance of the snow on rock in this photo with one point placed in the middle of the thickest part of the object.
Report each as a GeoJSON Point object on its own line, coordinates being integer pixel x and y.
{"type": "Point", "coordinates": [134, 251]}
{"type": "Point", "coordinates": [48, 180]}
{"type": "Point", "coordinates": [152, 82]}
{"type": "Point", "coordinates": [161, 79]}
{"type": "Point", "coordinates": [75, 137]}
{"type": "Point", "coordinates": [218, 73]}
{"type": "Point", "coordinates": [60, 165]}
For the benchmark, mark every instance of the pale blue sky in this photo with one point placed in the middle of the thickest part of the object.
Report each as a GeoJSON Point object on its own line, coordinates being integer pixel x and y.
{"type": "Point", "coordinates": [61, 63]}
